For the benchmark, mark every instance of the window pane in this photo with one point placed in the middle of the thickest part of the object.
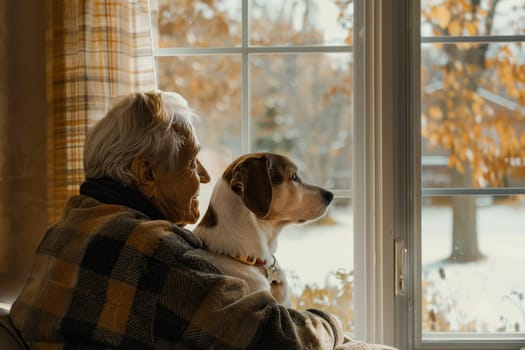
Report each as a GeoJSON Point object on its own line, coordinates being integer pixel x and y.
{"type": "Point", "coordinates": [286, 22]}
{"type": "Point", "coordinates": [318, 259]}
{"type": "Point", "coordinates": [199, 23]}
{"type": "Point", "coordinates": [472, 18]}
{"type": "Point", "coordinates": [301, 107]}
{"type": "Point", "coordinates": [473, 264]}
{"type": "Point", "coordinates": [473, 135]}
{"type": "Point", "coordinates": [473, 115]}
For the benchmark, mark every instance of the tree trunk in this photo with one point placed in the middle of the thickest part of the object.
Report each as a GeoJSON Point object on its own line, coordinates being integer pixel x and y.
{"type": "Point", "coordinates": [465, 247]}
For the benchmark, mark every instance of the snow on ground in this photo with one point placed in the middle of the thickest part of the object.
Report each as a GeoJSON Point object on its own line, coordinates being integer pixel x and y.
{"type": "Point", "coordinates": [477, 290]}
{"type": "Point", "coordinates": [313, 250]}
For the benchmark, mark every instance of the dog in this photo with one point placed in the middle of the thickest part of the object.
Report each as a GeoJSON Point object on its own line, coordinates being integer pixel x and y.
{"type": "Point", "coordinates": [256, 197]}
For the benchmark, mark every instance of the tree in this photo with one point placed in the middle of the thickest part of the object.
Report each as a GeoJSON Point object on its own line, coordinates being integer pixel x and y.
{"type": "Point", "coordinates": [461, 112]}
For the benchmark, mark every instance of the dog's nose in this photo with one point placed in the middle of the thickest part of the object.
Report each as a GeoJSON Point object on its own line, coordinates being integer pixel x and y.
{"type": "Point", "coordinates": [327, 196]}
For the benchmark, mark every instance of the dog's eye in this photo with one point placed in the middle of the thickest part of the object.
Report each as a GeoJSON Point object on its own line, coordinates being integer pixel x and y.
{"type": "Point", "coordinates": [294, 177]}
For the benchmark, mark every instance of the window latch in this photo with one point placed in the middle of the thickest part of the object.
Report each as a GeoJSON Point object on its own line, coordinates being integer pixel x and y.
{"type": "Point", "coordinates": [399, 265]}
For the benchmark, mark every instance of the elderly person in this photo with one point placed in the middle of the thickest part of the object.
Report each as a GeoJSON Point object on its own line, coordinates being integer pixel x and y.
{"type": "Point", "coordinates": [118, 270]}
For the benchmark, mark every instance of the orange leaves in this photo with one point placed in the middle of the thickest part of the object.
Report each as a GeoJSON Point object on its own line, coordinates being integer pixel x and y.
{"type": "Point", "coordinates": [471, 27]}
{"type": "Point", "coordinates": [441, 14]}
{"type": "Point", "coordinates": [455, 27]}
{"type": "Point", "coordinates": [349, 37]}
{"type": "Point", "coordinates": [507, 77]}
{"type": "Point", "coordinates": [510, 143]}
{"type": "Point", "coordinates": [453, 17]}
{"type": "Point", "coordinates": [435, 113]}
{"type": "Point", "coordinates": [478, 133]}
{"type": "Point", "coordinates": [506, 50]}
{"type": "Point", "coordinates": [336, 296]}
{"type": "Point", "coordinates": [518, 172]}
{"type": "Point", "coordinates": [476, 114]}
{"type": "Point", "coordinates": [476, 106]}
{"type": "Point", "coordinates": [454, 162]}
{"type": "Point", "coordinates": [460, 27]}
{"type": "Point", "coordinates": [467, 6]}
{"type": "Point", "coordinates": [519, 74]}
{"type": "Point", "coordinates": [522, 140]}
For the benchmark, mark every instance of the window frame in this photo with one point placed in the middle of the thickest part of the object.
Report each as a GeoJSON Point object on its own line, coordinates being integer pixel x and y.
{"type": "Point", "coordinates": [408, 306]}
{"type": "Point", "coordinates": [373, 299]}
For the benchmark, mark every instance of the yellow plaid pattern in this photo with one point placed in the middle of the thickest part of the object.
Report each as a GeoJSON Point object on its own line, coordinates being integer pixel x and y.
{"type": "Point", "coordinates": [105, 276]}
{"type": "Point", "coordinates": [97, 50]}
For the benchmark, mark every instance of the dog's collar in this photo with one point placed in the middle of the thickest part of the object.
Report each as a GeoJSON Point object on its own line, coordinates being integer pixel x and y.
{"type": "Point", "coordinates": [249, 260]}
{"type": "Point", "coordinates": [273, 272]}
{"type": "Point", "coordinates": [246, 259]}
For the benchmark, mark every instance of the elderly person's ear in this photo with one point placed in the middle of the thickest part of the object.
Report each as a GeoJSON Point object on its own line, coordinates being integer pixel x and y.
{"type": "Point", "coordinates": [143, 170]}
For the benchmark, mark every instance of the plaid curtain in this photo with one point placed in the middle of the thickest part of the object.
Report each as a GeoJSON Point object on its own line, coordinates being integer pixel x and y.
{"type": "Point", "coordinates": [97, 50]}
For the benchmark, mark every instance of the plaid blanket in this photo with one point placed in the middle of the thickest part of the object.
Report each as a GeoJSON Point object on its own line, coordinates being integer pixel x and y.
{"type": "Point", "coordinates": [106, 276]}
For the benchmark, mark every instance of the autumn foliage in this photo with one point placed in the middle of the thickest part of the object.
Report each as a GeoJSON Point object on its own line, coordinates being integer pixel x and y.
{"type": "Point", "coordinates": [473, 92]}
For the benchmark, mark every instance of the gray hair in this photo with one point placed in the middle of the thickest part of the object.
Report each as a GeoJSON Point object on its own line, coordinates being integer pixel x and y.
{"type": "Point", "coordinates": [153, 124]}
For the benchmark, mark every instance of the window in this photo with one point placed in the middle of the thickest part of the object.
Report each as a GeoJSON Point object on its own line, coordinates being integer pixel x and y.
{"type": "Point", "coordinates": [412, 112]}
{"type": "Point", "coordinates": [275, 76]}
{"type": "Point", "coordinates": [470, 291]}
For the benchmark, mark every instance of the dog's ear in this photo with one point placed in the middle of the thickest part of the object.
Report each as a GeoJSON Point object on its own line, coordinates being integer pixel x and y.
{"type": "Point", "coordinates": [250, 179]}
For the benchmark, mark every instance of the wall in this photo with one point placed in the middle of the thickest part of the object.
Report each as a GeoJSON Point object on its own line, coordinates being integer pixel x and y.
{"type": "Point", "coordinates": [4, 185]}
{"type": "Point", "coordinates": [23, 209]}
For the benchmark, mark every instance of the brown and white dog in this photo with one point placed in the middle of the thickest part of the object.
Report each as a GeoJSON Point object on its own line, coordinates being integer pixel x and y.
{"type": "Point", "coordinates": [257, 196]}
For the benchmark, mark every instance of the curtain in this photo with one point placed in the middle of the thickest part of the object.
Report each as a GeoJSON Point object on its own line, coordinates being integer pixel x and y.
{"type": "Point", "coordinates": [97, 50]}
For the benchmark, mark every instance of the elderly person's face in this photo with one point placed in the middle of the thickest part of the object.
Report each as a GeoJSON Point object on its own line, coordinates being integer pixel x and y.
{"type": "Point", "coordinates": [176, 191]}
{"type": "Point", "coordinates": [173, 192]}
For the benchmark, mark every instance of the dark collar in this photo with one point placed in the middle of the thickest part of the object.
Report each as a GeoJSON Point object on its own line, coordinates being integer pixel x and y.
{"type": "Point", "coordinates": [111, 192]}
